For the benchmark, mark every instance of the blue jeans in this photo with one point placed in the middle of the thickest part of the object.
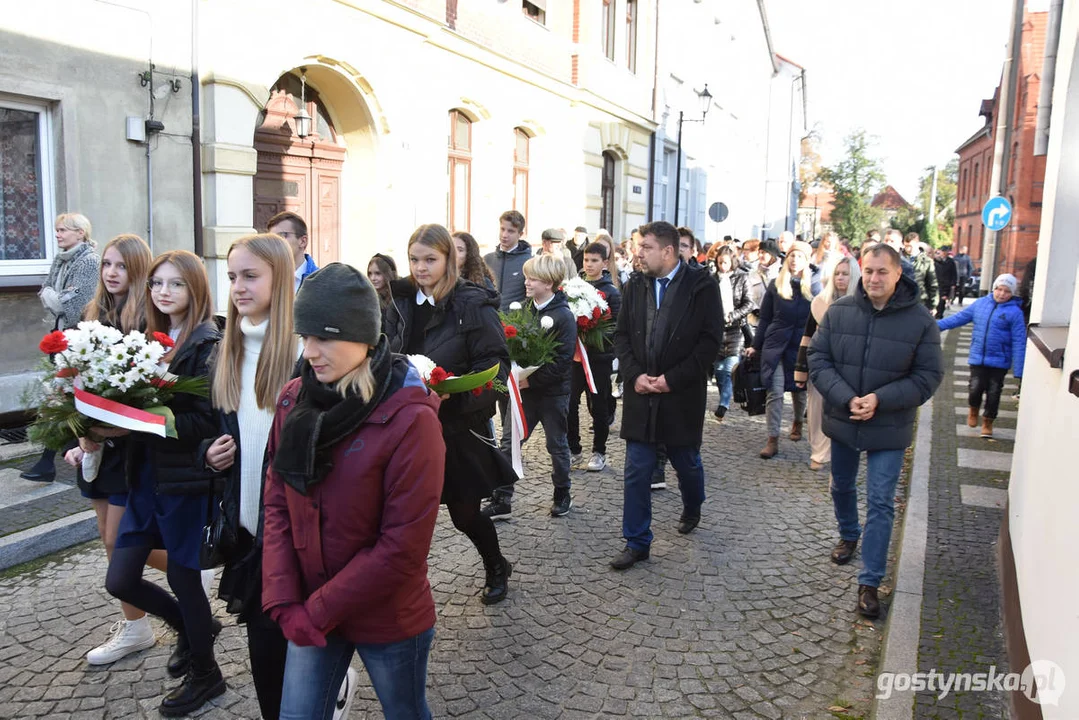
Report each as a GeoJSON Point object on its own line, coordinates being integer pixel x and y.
{"type": "Point", "coordinates": [637, 491]}
{"type": "Point", "coordinates": [882, 474]}
{"type": "Point", "coordinates": [398, 673]}
{"type": "Point", "coordinates": [722, 370]}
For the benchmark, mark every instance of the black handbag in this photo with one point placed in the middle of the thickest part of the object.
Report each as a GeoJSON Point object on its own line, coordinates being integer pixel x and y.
{"type": "Point", "coordinates": [218, 537]}
{"type": "Point", "coordinates": [749, 391]}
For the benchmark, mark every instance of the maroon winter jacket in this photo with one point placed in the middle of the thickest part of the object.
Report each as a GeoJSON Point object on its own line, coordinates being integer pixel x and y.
{"type": "Point", "coordinates": [354, 550]}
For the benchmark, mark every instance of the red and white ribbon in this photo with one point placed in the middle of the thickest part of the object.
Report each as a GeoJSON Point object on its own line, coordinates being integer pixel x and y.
{"type": "Point", "coordinates": [118, 414]}
{"type": "Point", "coordinates": [581, 356]}
{"type": "Point", "coordinates": [518, 423]}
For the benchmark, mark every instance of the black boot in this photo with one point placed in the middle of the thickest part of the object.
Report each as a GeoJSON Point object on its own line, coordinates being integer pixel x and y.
{"type": "Point", "coordinates": [497, 582]}
{"type": "Point", "coordinates": [202, 683]}
{"type": "Point", "coordinates": [181, 656]}
{"type": "Point", "coordinates": [44, 470]}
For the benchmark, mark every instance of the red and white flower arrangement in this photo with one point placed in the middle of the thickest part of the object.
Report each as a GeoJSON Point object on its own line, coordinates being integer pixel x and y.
{"type": "Point", "coordinates": [441, 382]}
{"type": "Point", "coordinates": [97, 375]}
{"type": "Point", "coordinates": [595, 324]}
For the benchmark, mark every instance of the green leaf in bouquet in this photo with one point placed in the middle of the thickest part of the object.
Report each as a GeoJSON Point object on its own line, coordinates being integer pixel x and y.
{"type": "Point", "coordinates": [465, 383]}
{"type": "Point", "coordinates": [170, 419]}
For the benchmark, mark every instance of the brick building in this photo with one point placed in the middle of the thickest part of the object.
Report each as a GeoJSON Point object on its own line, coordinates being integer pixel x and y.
{"type": "Point", "coordinates": [1018, 243]}
{"type": "Point", "coordinates": [890, 202]}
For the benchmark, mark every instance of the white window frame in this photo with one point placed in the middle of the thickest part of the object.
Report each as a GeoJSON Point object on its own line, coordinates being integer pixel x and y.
{"type": "Point", "coordinates": [38, 266]}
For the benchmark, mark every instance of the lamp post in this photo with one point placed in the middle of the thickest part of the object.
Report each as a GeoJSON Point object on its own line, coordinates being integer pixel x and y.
{"type": "Point", "coordinates": [705, 99]}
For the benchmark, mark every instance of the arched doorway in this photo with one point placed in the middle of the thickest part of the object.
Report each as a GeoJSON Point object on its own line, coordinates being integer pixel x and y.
{"type": "Point", "coordinates": [300, 174]}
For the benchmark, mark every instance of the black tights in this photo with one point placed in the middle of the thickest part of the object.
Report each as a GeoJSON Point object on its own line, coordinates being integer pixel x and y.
{"type": "Point", "coordinates": [479, 528]}
{"type": "Point", "coordinates": [187, 613]}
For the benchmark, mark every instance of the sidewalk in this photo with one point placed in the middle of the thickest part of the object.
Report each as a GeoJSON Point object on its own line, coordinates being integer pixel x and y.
{"type": "Point", "coordinates": [39, 518]}
{"type": "Point", "coordinates": [948, 557]}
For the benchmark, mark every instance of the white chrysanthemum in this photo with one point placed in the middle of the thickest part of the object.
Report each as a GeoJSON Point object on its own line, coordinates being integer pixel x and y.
{"type": "Point", "coordinates": [546, 322]}
{"type": "Point", "coordinates": [423, 364]}
{"type": "Point", "coordinates": [515, 306]}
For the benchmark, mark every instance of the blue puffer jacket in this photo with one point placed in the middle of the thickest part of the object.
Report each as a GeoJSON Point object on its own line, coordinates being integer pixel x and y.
{"type": "Point", "coordinates": [1000, 333]}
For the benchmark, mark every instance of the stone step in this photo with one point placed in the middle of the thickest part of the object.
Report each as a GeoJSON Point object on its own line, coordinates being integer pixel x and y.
{"type": "Point", "coordinates": [14, 490]}
{"type": "Point", "coordinates": [985, 460]}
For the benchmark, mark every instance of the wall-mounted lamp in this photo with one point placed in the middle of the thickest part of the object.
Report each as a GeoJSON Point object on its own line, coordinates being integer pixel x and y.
{"type": "Point", "coordinates": [303, 120]}
{"type": "Point", "coordinates": [146, 77]}
{"type": "Point", "coordinates": [706, 101]}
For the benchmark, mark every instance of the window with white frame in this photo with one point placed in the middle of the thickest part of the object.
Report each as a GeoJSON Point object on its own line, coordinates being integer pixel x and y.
{"type": "Point", "coordinates": [26, 206]}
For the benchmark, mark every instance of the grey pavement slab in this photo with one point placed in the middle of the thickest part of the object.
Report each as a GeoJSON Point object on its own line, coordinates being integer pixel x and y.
{"type": "Point", "coordinates": [745, 617]}
{"type": "Point", "coordinates": [14, 451]}
{"type": "Point", "coordinates": [982, 496]}
{"type": "Point", "coordinates": [14, 490]}
{"type": "Point", "coordinates": [1009, 414]}
{"type": "Point", "coordinates": [1004, 398]}
{"type": "Point", "coordinates": [49, 537]}
{"type": "Point", "coordinates": [985, 460]}
{"type": "Point", "coordinates": [999, 433]}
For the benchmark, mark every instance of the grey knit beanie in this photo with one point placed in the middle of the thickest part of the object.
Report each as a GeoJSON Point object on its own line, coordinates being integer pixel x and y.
{"type": "Point", "coordinates": [338, 302]}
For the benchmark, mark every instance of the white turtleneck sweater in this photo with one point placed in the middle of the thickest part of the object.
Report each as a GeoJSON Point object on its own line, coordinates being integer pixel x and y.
{"type": "Point", "coordinates": [255, 424]}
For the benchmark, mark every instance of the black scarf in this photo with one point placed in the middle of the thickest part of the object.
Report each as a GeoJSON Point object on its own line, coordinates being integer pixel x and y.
{"type": "Point", "coordinates": [322, 419]}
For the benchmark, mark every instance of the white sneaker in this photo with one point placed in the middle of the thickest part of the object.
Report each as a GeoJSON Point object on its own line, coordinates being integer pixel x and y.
{"type": "Point", "coordinates": [659, 485]}
{"type": "Point", "coordinates": [597, 462]}
{"type": "Point", "coordinates": [128, 636]}
{"type": "Point", "coordinates": [207, 582]}
{"type": "Point", "coordinates": [345, 695]}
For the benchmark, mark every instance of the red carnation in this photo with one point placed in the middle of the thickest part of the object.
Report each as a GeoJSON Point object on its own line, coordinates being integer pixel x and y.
{"type": "Point", "coordinates": [601, 294]}
{"type": "Point", "coordinates": [438, 376]}
{"type": "Point", "coordinates": [67, 372]}
{"type": "Point", "coordinates": [53, 343]}
{"type": "Point", "coordinates": [490, 385]}
{"type": "Point", "coordinates": [582, 321]}
{"type": "Point", "coordinates": [511, 331]}
{"type": "Point", "coordinates": [595, 313]}
{"type": "Point", "coordinates": [477, 391]}
{"type": "Point", "coordinates": [164, 339]}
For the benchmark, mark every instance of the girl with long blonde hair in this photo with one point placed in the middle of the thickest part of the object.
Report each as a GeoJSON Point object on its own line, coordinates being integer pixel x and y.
{"type": "Point", "coordinates": [784, 309]}
{"type": "Point", "coordinates": [256, 359]}
{"type": "Point", "coordinates": [842, 281]}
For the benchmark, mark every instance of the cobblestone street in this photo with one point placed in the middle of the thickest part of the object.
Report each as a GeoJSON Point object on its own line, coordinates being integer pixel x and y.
{"type": "Point", "coordinates": [745, 617]}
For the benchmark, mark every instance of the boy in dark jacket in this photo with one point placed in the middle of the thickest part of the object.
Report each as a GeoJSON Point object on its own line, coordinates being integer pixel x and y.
{"type": "Point", "coordinates": [545, 393]}
{"type": "Point", "coordinates": [601, 362]}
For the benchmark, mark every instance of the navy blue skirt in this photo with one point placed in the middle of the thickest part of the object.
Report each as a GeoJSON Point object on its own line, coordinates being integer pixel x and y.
{"type": "Point", "coordinates": [167, 522]}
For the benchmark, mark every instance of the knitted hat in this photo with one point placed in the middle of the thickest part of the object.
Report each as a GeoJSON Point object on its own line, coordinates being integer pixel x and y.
{"type": "Point", "coordinates": [802, 247]}
{"type": "Point", "coordinates": [1006, 280]}
{"type": "Point", "coordinates": [339, 303]}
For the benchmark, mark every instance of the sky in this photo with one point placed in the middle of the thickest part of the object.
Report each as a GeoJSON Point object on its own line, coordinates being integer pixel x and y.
{"type": "Point", "coordinates": [912, 73]}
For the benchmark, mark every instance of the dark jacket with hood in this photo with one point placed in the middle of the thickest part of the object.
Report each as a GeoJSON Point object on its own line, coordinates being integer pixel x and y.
{"type": "Point", "coordinates": [508, 268]}
{"type": "Point", "coordinates": [176, 467]}
{"type": "Point", "coordinates": [893, 352]}
{"type": "Point", "coordinates": [686, 334]}
{"type": "Point", "coordinates": [780, 329]}
{"type": "Point", "coordinates": [464, 335]}
{"type": "Point", "coordinates": [554, 377]}
{"type": "Point", "coordinates": [947, 274]}
{"type": "Point", "coordinates": [614, 301]}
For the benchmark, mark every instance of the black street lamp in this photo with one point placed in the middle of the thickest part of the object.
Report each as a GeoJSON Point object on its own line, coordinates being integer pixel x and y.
{"type": "Point", "coordinates": [705, 99]}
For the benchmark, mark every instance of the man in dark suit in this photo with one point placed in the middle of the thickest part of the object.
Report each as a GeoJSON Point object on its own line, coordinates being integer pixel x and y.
{"type": "Point", "coordinates": [669, 331]}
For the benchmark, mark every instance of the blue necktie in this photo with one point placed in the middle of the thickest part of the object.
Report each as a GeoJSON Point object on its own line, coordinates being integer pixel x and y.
{"type": "Point", "coordinates": [661, 290]}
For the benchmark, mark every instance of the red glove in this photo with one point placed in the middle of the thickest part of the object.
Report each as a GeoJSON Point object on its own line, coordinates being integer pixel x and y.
{"type": "Point", "coordinates": [296, 625]}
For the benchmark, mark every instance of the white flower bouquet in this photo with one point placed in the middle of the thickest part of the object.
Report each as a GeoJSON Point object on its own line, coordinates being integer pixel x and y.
{"type": "Point", "coordinates": [595, 324]}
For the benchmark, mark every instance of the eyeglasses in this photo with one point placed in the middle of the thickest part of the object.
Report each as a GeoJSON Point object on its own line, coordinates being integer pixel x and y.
{"type": "Point", "coordinates": [156, 285]}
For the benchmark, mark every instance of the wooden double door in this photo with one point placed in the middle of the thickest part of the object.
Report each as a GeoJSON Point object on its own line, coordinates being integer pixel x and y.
{"type": "Point", "coordinates": [302, 175]}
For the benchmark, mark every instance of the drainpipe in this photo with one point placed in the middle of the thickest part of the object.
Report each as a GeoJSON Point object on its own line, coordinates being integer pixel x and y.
{"type": "Point", "coordinates": [196, 132]}
{"type": "Point", "coordinates": [1049, 69]}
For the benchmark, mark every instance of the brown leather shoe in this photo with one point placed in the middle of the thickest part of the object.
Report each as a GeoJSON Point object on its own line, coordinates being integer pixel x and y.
{"type": "Point", "coordinates": [987, 428]}
{"type": "Point", "coordinates": [770, 448]}
{"type": "Point", "coordinates": [796, 431]}
{"type": "Point", "coordinates": [868, 604]}
{"type": "Point", "coordinates": [843, 551]}
{"type": "Point", "coordinates": [972, 417]}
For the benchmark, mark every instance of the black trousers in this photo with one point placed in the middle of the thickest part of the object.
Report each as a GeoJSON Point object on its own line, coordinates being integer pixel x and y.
{"type": "Point", "coordinates": [961, 289]}
{"type": "Point", "coordinates": [990, 382]}
{"type": "Point", "coordinates": [598, 405]}
{"type": "Point", "coordinates": [267, 648]}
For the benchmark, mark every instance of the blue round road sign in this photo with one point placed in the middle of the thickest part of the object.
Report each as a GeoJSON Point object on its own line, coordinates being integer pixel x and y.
{"type": "Point", "coordinates": [996, 213]}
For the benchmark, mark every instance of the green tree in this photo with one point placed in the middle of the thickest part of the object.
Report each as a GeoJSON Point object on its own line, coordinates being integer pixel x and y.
{"type": "Point", "coordinates": [855, 179]}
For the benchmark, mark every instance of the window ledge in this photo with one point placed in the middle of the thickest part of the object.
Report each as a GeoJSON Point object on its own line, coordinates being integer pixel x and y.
{"type": "Point", "coordinates": [1050, 341]}
{"type": "Point", "coordinates": [17, 283]}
